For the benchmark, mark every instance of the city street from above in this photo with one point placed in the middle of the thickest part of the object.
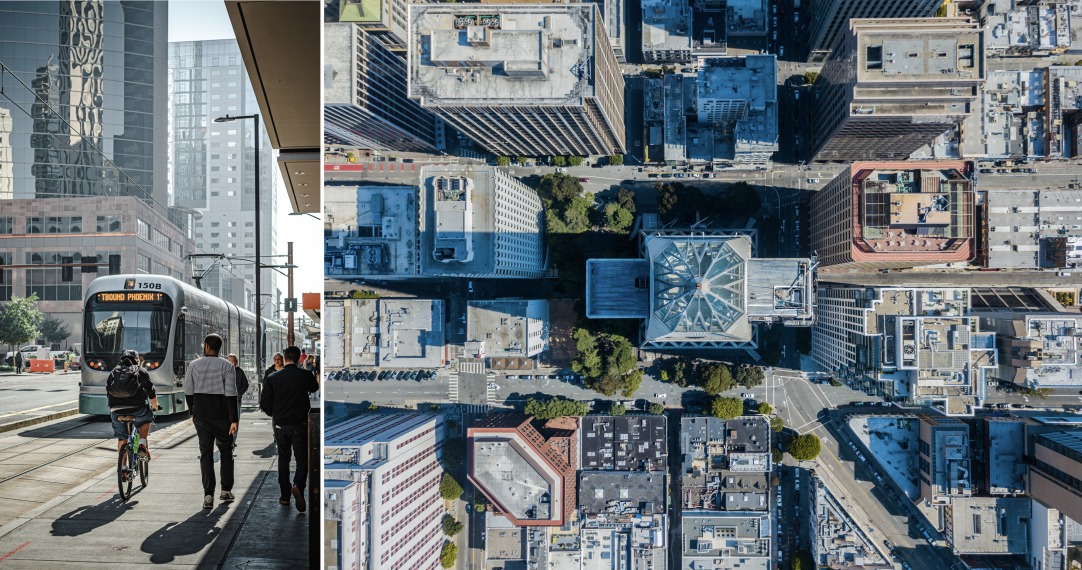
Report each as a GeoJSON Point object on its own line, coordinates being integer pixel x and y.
{"type": "Point", "coordinates": [702, 285]}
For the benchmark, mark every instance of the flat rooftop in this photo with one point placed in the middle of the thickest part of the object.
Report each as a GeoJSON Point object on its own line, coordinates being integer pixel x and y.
{"type": "Point", "coordinates": [516, 476]}
{"type": "Point", "coordinates": [990, 525]}
{"type": "Point", "coordinates": [1005, 445]}
{"type": "Point", "coordinates": [617, 288]}
{"type": "Point", "coordinates": [369, 230]}
{"type": "Point", "coordinates": [457, 237]}
{"type": "Point", "coordinates": [666, 25]}
{"type": "Point", "coordinates": [502, 327]}
{"type": "Point", "coordinates": [623, 443]}
{"type": "Point", "coordinates": [465, 54]}
{"type": "Point", "coordinates": [932, 50]}
{"type": "Point", "coordinates": [411, 333]}
{"type": "Point", "coordinates": [626, 493]}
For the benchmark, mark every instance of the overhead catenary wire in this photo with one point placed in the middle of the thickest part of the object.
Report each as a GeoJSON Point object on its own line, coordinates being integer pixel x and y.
{"type": "Point", "coordinates": [4, 69]}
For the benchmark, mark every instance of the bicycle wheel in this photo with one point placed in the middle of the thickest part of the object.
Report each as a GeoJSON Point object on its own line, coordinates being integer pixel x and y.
{"type": "Point", "coordinates": [124, 472]}
{"type": "Point", "coordinates": [144, 470]}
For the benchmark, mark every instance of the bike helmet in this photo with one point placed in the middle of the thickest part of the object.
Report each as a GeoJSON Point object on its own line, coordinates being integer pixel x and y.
{"type": "Point", "coordinates": [130, 354]}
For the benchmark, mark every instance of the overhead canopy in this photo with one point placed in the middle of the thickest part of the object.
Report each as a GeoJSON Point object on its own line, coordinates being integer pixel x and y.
{"type": "Point", "coordinates": [280, 44]}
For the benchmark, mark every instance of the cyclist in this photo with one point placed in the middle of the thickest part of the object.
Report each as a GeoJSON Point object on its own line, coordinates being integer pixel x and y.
{"type": "Point", "coordinates": [128, 388]}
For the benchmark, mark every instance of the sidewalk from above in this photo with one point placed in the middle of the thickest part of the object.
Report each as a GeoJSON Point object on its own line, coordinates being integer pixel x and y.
{"type": "Point", "coordinates": [165, 524]}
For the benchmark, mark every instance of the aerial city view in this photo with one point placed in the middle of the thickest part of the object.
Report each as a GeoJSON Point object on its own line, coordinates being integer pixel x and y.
{"type": "Point", "coordinates": [702, 285]}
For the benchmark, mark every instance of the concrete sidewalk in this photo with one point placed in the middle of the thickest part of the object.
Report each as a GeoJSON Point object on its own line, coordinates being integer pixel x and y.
{"type": "Point", "coordinates": [165, 524]}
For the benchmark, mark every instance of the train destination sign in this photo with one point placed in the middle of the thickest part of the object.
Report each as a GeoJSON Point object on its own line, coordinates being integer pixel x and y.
{"type": "Point", "coordinates": [129, 297]}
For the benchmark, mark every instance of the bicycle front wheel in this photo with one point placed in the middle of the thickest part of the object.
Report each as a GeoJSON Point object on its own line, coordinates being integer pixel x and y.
{"type": "Point", "coordinates": [144, 470]}
{"type": "Point", "coordinates": [124, 473]}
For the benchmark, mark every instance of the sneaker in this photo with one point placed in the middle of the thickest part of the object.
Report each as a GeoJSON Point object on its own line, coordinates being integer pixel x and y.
{"type": "Point", "coordinates": [208, 502]}
{"type": "Point", "coordinates": [226, 497]}
{"type": "Point", "coordinates": [299, 496]}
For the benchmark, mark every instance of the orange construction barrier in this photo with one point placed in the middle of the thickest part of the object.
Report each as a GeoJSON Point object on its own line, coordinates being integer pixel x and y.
{"type": "Point", "coordinates": [41, 365]}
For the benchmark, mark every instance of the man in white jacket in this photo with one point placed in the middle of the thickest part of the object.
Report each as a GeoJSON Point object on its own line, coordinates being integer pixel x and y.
{"type": "Point", "coordinates": [210, 389]}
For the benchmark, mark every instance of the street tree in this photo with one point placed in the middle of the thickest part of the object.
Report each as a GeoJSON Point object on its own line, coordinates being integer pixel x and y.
{"type": "Point", "coordinates": [450, 489]}
{"type": "Point", "coordinates": [54, 331]}
{"type": "Point", "coordinates": [805, 447]}
{"type": "Point", "coordinates": [726, 408]}
{"type": "Point", "coordinates": [19, 321]}
{"type": "Point", "coordinates": [449, 554]}
{"type": "Point", "coordinates": [451, 527]}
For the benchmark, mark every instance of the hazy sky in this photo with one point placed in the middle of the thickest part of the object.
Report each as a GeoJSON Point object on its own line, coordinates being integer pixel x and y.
{"type": "Point", "coordinates": [195, 21]}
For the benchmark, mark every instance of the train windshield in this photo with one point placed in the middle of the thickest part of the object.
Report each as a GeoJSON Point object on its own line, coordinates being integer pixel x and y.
{"type": "Point", "coordinates": [119, 321]}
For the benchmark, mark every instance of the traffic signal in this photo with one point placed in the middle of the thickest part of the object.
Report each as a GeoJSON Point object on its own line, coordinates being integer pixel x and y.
{"type": "Point", "coordinates": [67, 271]}
{"type": "Point", "coordinates": [291, 304]}
{"type": "Point", "coordinates": [114, 265]}
{"type": "Point", "coordinates": [92, 258]}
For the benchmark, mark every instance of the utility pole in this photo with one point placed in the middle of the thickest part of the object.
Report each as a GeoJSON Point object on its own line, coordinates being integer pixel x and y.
{"type": "Point", "coordinates": [289, 261]}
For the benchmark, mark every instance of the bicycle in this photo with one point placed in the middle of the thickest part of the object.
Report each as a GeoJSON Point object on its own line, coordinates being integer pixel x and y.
{"type": "Point", "coordinates": [125, 471]}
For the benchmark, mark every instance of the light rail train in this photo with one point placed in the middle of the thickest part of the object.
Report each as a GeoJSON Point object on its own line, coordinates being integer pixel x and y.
{"type": "Point", "coordinates": [164, 320]}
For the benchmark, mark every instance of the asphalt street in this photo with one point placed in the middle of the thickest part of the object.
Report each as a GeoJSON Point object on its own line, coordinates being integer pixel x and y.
{"type": "Point", "coordinates": [23, 392]}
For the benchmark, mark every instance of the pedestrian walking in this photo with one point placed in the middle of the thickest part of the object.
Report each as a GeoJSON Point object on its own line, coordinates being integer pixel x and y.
{"type": "Point", "coordinates": [242, 389]}
{"type": "Point", "coordinates": [285, 400]}
{"type": "Point", "coordinates": [210, 389]}
{"type": "Point", "coordinates": [18, 362]}
{"type": "Point", "coordinates": [278, 364]}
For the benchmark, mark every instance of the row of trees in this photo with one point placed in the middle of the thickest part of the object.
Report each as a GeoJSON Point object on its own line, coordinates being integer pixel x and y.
{"type": "Point", "coordinates": [740, 199]}
{"type": "Point", "coordinates": [712, 377]}
{"type": "Point", "coordinates": [21, 322]}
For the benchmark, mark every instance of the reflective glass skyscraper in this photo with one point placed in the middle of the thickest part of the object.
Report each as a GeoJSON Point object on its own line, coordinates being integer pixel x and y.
{"type": "Point", "coordinates": [212, 165]}
{"type": "Point", "coordinates": [90, 75]}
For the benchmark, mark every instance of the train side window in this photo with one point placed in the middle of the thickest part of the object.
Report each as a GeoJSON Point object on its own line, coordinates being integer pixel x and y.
{"type": "Point", "coordinates": [179, 368]}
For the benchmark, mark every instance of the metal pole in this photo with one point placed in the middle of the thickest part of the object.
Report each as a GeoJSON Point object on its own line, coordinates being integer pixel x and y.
{"type": "Point", "coordinates": [290, 263]}
{"type": "Point", "coordinates": [258, 260]}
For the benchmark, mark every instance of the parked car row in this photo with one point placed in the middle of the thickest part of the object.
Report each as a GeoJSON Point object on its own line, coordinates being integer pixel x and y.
{"type": "Point", "coordinates": [373, 375]}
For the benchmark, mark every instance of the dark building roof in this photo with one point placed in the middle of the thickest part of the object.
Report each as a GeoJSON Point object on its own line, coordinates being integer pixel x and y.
{"type": "Point", "coordinates": [624, 443]}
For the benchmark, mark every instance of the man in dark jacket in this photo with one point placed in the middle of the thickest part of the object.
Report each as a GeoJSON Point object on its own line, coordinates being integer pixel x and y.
{"type": "Point", "coordinates": [278, 364]}
{"type": "Point", "coordinates": [285, 400]}
{"type": "Point", "coordinates": [135, 405]}
{"type": "Point", "coordinates": [210, 389]}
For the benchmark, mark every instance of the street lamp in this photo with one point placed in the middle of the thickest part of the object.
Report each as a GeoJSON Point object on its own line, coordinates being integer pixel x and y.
{"type": "Point", "coordinates": [258, 237]}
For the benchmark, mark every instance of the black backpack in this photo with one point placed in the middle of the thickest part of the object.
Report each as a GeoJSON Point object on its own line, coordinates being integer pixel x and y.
{"type": "Point", "coordinates": [123, 382]}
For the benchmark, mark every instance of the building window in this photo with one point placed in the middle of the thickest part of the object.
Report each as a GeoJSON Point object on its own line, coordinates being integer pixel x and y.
{"type": "Point", "coordinates": [47, 282]}
{"type": "Point", "coordinates": [7, 226]}
{"type": "Point", "coordinates": [161, 240]}
{"type": "Point", "coordinates": [108, 224]}
{"type": "Point", "coordinates": [142, 263]}
{"type": "Point", "coordinates": [143, 230]}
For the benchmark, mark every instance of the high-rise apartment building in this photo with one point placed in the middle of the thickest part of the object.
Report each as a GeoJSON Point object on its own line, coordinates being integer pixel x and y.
{"type": "Point", "coordinates": [891, 215]}
{"type": "Point", "coordinates": [892, 86]}
{"type": "Point", "coordinates": [365, 103]}
{"type": "Point", "coordinates": [476, 221]}
{"type": "Point", "coordinates": [905, 344]}
{"type": "Point", "coordinates": [523, 80]}
{"type": "Point", "coordinates": [828, 19]}
{"type": "Point", "coordinates": [213, 166]}
{"type": "Point", "coordinates": [97, 80]}
{"type": "Point", "coordinates": [395, 461]}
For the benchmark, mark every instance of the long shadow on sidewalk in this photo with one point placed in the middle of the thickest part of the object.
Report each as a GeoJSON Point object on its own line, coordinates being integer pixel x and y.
{"type": "Point", "coordinates": [187, 537]}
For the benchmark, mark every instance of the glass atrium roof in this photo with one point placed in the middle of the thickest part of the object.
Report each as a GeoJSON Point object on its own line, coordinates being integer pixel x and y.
{"type": "Point", "coordinates": [698, 286]}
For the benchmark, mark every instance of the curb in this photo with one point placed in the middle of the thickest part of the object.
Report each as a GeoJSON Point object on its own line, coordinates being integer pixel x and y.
{"type": "Point", "coordinates": [38, 420]}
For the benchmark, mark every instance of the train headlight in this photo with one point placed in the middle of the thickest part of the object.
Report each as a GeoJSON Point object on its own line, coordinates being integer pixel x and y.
{"type": "Point", "coordinates": [152, 365]}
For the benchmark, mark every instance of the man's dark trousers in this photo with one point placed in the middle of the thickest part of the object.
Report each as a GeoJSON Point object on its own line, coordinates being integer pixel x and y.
{"type": "Point", "coordinates": [292, 439]}
{"type": "Point", "coordinates": [211, 432]}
